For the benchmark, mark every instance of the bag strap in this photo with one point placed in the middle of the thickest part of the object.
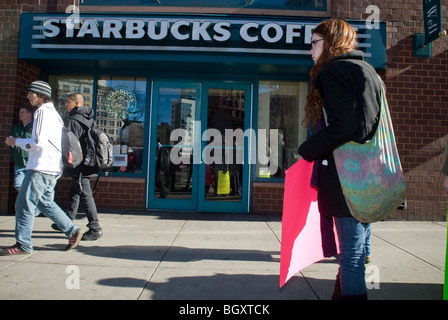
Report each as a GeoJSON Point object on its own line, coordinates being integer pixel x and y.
{"type": "Point", "coordinates": [96, 182]}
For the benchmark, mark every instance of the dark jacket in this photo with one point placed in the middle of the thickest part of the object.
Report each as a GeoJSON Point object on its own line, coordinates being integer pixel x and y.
{"type": "Point", "coordinates": [17, 154]}
{"type": "Point", "coordinates": [78, 122]}
{"type": "Point", "coordinates": [351, 91]}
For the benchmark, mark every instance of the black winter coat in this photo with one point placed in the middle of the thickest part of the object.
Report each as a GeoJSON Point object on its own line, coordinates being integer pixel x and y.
{"type": "Point", "coordinates": [351, 91]}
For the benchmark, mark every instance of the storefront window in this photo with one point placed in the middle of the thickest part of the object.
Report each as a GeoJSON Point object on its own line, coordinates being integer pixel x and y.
{"type": "Point", "coordinates": [120, 112]}
{"type": "Point", "coordinates": [281, 110]}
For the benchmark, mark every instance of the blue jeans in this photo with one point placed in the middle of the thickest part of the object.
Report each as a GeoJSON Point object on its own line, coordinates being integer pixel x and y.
{"type": "Point", "coordinates": [38, 191]}
{"type": "Point", "coordinates": [351, 234]}
{"type": "Point", "coordinates": [19, 175]}
{"type": "Point", "coordinates": [368, 232]}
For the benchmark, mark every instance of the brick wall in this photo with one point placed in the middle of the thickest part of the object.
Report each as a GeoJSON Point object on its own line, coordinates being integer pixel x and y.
{"type": "Point", "coordinates": [267, 197]}
{"type": "Point", "coordinates": [110, 193]}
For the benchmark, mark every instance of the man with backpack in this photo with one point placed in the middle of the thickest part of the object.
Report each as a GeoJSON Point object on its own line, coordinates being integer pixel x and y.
{"type": "Point", "coordinates": [79, 121]}
{"type": "Point", "coordinates": [43, 169]}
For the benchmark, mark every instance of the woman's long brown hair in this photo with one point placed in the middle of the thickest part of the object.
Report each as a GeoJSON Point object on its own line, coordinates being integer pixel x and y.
{"type": "Point", "coordinates": [339, 38]}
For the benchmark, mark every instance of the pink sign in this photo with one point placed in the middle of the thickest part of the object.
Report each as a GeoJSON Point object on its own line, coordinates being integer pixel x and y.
{"type": "Point", "coordinates": [301, 225]}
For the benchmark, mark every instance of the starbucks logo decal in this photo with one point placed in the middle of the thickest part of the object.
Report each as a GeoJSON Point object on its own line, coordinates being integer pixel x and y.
{"type": "Point", "coordinates": [120, 103]}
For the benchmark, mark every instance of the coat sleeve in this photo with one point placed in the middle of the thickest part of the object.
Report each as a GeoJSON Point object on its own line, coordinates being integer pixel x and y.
{"type": "Point", "coordinates": [339, 105]}
{"type": "Point", "coordinates": [38, 135]}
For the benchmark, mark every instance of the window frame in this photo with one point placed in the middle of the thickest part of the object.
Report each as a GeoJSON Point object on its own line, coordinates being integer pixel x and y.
{"type": "Point", "coordinates": [298, 80]}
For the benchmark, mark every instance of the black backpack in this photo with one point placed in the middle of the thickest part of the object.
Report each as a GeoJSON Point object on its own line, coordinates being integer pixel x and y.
{"type": "Point", "coordinates": [70, 149]}
{"type": "Point", "coordinates": [100, 149]}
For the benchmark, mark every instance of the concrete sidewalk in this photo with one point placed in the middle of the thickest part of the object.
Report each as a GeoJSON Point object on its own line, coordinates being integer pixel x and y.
{"type": "Point", "coordinates": [193, 256]}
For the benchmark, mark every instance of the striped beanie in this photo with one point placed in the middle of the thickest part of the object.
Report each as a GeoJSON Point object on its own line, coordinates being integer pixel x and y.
{"type": "Point", "coordinates": [40, 87]}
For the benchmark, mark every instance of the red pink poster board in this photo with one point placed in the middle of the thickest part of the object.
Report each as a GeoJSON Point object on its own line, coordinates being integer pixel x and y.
{"type": "Point", "coordinates": [301, 243]}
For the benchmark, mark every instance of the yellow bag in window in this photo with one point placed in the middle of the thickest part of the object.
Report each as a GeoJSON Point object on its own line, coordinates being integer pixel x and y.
{"type": "Point", "coordinates": [223, 182]}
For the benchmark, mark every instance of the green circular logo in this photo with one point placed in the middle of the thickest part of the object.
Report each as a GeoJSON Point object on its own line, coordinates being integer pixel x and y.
{"type": "Point", "coordinates": [120, 103]}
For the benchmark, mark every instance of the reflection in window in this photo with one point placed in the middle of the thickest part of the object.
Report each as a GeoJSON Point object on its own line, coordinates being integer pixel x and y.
{"type": "Point", "coordinates": [224, 171]}
{"type": "Point", "coordinates": [282, 107]}
{"type": "Point", "coordinates": [120, 111]}
{"type": "Point", "coordinates": [64, 85]}
{"type": "Point", "coordinates": [175, 120]}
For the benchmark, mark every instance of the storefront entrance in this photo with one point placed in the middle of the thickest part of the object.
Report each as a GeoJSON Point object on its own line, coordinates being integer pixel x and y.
{"type": "Point", "coordinates": [199, 146]}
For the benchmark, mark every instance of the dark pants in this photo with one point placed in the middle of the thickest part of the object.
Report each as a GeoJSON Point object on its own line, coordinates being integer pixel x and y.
{"type": "Point", "coordinates": [81, 192]}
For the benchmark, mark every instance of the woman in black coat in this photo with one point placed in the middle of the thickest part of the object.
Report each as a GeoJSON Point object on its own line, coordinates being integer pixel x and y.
{"type": "Point", "coordinates": [343, 104]}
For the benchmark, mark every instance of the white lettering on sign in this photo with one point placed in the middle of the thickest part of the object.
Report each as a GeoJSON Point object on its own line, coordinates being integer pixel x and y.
{"type": "Point", "coordinates": [222, 31]}
{"type": "Point", "coordinates": [134, 29]}
{"type": "Point", "coordinates": [181, 30]}
{"type": "Point", "coordinates": [200, 31]}
{"type": "Point", "coordinates": [51, 29]}
{"type": "Point", "coordinates": [161, 26]}
{"type": "Point", "coordinates": [292, 31]}
{"type": "Point", "coordinates": [112, 27]}
{"type": "Point", "coordinates": [191, 34]}
{"type": "Point", "coordinates": [244, 32]}
{"type": "Point", "coordinates": [89, 26]}
{"type": "Point", "coordinates": [176, 32]}
{"type": "Point", "coordinates": [432, 24]}
{"type": "Point", "coordinates": [277, 33]}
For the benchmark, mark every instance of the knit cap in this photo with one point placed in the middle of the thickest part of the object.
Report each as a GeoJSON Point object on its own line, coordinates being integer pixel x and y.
{"type": "Point", "coordinates": [40, 87]}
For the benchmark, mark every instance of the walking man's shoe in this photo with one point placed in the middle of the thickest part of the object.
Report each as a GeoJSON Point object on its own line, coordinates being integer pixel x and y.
{"type": "Point", "coordinates": [73, 241]}
{"type": "Point", "coordinates": [92, 235]}
{"type": "Point", "coordinates": [13, 250]}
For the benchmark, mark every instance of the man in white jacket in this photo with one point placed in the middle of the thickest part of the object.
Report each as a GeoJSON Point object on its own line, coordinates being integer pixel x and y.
{"type": "Point", "coordinates": [43, 169]}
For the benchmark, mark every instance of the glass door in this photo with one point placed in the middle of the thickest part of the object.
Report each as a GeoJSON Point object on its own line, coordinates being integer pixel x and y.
{"type": "Point", "coordinates": [172, 173]}
{"type": "Point", "coordinates": [224, 171]}
{"type": "Point", "coordinates": [199, 157]}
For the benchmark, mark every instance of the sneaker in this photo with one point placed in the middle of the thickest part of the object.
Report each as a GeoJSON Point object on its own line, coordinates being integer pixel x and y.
{"type": "Point", "coordinates": [13, 250]}
{"type": "Point", "coordinates": [92, 235]}
{"type": "Point", "coordinates": [73, 241]}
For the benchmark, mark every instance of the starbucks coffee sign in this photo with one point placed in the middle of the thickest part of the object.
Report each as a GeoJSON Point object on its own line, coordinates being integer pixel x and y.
{"type": "Point", "coordinates": [152, 36]}
{"type": "Point", "coordinates": [160, 29]}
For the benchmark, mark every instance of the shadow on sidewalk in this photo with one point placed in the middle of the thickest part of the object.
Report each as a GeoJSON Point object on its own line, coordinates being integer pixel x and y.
{"type": "Point", "coordinates": [263, 287]}
{"type": "Point", "coordinates": [178, 254]}
{"type": "Point", "coordinates": [220, 287]}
